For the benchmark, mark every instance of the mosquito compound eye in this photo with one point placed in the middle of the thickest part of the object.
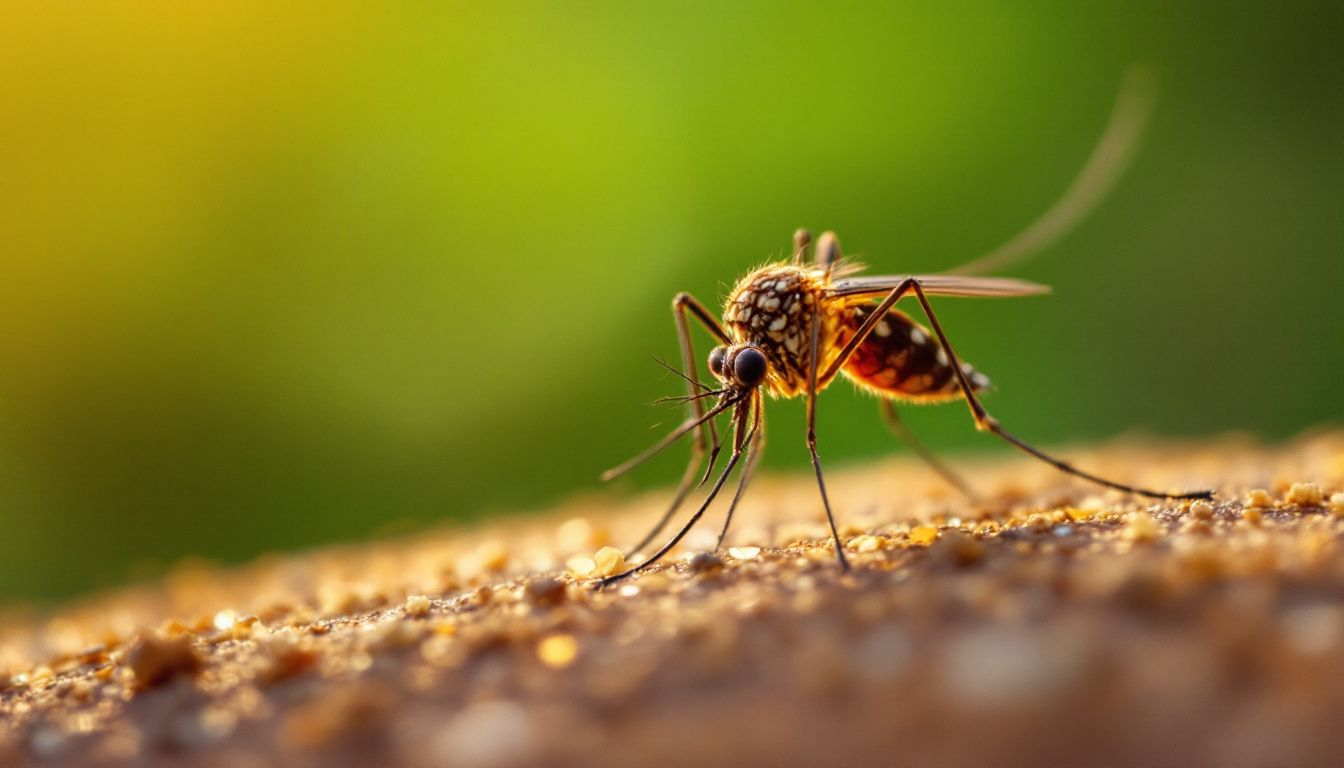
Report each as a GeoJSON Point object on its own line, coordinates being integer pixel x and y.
{"type": "Point", "coordinates": [749, 367]}
{"type": "Point", "coordinates": [716, 358]}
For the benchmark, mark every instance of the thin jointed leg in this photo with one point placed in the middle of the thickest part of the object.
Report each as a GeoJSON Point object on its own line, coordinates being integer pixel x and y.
{"type": "Point", "coordinates": [740, 441]}
{"type": "Point", "coordinates": [983, 420]}
{"type": "Point", "coordinates": [812, 440]}
{"type": "Point", "coordinates": [682, 304]}
{"type": "Point", "coordinates": [893, 420]}
{"type": "Point", "coordinates": [828, 254]}
{"type": "Point", "coordinates": [683, 489]}
{"type": "Point", "coordinates": [801, 239]}
{"type": "Point", "coordinates": [753, 458]}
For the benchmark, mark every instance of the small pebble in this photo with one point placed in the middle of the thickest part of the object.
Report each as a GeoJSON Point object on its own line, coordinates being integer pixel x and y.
{"type": "Point", "coordinates": [1258, 498]}
{"type": "Point", "coordinates": [482, 595]}
{"type": "Point", "coordinates": [1305, 495]}
{"type": "Point", "coordinates": [417, 605]}
{"type": "Point", "coordinates": [923, 534]}
{"type": "Point", "coordinates": [154, 660]}
{"type": "Point", "coordinates": [608, 561]}
{"type": "Point", "coordinates": [1337, 504]}
{"type": "Point", "coordinates": [704, 562]}
{"type": "Point", "coordinates": [1201, 510]}
{"type": "Point", "coordinates": [865, 543]}
{"type": "Point", "coordinates": [1142, 527]}
{"type": "Point", "coordinates": [545, 591]}
{"type": "Point", "coordinates": [751, 553]}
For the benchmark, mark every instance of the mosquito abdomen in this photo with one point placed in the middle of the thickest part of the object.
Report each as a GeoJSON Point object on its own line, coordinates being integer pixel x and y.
{"type": "Point", "coordinates": [902, 359]}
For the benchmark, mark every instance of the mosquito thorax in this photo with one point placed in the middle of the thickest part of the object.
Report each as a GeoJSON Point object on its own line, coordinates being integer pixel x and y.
{"type": "Point", "coordinates": [771, 309]}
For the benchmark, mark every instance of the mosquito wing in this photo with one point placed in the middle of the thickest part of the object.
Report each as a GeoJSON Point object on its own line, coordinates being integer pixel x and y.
{"type": "Point", "coordinates": [941, 285]}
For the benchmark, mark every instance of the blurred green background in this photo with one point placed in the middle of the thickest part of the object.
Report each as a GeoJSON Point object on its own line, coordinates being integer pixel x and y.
{"type": "Point", "coordinates": [272, 277]}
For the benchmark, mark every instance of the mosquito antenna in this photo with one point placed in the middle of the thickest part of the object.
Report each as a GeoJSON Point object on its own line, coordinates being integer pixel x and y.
{"type": "Point", "coordinates": [683, 399]}
{"type": "Point", "coordinates": [673, 369]}
{"type": "Point", "coordinates": [672, 437]}
{"type": "Point", "coordinates": [1109, 160]}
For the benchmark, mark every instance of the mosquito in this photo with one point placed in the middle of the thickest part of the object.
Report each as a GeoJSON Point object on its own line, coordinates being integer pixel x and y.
{"type": "Point", "coordinates": [789, 328]}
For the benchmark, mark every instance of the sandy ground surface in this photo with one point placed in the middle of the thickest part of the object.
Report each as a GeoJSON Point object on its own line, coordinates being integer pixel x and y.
{"type": "Point", "coordinates": [1048, 624]}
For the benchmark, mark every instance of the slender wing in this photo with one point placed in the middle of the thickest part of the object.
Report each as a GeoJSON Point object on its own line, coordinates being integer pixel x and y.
{"type": "Point", "coordinates": [942, 285]}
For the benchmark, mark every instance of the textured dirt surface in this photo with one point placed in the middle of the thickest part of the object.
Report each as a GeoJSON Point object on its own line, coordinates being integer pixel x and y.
{"type": "Point", "coordinates": [1049, 624]}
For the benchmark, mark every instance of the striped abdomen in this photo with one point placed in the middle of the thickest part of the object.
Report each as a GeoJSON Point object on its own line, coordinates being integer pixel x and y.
{"type": "Point", "coordinates": [902, 359]}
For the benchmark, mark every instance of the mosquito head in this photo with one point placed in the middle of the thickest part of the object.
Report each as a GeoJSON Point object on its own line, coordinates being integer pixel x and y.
{"type": "Point", "coordinates": [740, 366]}
{"type": "Point", "coordinates": [749, 367]}
{"type": "Point", "coordinates": [716, 357]}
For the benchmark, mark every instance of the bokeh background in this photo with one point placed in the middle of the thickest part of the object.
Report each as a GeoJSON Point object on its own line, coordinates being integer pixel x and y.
{"type": "Point", "coordinates": [278, 276]}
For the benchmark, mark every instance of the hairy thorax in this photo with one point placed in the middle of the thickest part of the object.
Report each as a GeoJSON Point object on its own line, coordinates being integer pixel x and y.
{"type": "Point", "coordinates": [772, 308]}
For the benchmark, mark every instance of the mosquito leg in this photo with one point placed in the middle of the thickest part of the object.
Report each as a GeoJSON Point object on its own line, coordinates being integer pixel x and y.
{"type": "Point", "coordinates": [753, 458]}
{"type": "Point", "coordinates": [682, 305]}
{"type": "Point", "coordinates": [867, 327]}
{"type": "Point", "coordinates": [656, 556]}
{"type": "Point", "coordinates": [683, 488]}
{"type": "Point", "coordinates": [984, 421]}
{"type": "Point", "coordinates": [713, 459]}
{"type": "Point", "coordinates": [812, 438]}
{"type": "Point", "coordinates": [801, 239]}
{"type": "Point", "coordinates": [893, 420]}
{"type": "Point", "coordinates": [827, 253]}
{"type": "Point", "coordinates": [739, 445]}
